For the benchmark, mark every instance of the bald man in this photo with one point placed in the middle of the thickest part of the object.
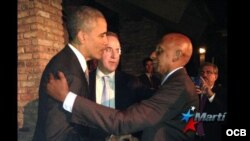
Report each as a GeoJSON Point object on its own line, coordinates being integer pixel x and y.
{"type": "Point", "coordinates": [160, 117]}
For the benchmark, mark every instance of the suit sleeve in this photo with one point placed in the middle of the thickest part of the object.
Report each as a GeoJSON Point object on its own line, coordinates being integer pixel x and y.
{"type": "Point", "coordinates": [137, 117]}
{"type": "Point", "coordinates": [58, 125]}
{"type": "Point", "coordinates": [219, 104]}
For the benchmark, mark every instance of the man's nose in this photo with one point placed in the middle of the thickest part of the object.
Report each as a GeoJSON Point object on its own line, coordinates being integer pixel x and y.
{"type": "Point", "coordinates": [112, 54]}
{"type": "Point", "coordinates": [105, 41]}
{"type": "Point", "coordinates": [153, 55]}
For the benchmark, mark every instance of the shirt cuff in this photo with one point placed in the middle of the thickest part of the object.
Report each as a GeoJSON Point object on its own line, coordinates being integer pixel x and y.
{"type": "Point", "coordinates": [211, 98]}
{"type": "Point", "coordinates": [69, 101]}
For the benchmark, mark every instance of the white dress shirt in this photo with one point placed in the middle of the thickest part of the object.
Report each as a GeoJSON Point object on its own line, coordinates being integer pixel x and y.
{"type": "Point", "coordinates": [99, 87]}
{"type": "Point", "coordinates": [167, 76]}
{"type": "Point", "coordinates": [70, 98]}
{"type": "Point", "coordinates": [210, 99]}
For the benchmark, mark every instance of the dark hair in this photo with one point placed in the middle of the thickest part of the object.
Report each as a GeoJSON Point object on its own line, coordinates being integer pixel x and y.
{"type": "Point", "coordinates": [144, 62]}
{"type": "Point", "coordinates": [82, 18]}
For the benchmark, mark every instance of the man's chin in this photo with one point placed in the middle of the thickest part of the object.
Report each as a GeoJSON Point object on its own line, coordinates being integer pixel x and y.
{"type": "Point", "coordinates": [98, 57]}
{"type": "Point", "coordinates": [111, 69]}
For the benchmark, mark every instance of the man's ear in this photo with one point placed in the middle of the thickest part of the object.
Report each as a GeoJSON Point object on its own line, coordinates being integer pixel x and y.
{"type": "Point", "coordinates": [81, 36]}
{"type": "Point", "coordinates": [178, 54]}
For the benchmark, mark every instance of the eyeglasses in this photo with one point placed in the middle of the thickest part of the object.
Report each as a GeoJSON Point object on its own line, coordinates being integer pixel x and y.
{"type": "Point", "coordinates": [110, 49]}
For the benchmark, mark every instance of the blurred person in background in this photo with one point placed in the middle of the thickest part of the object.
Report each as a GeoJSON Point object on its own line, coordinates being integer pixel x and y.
{"type": "Point", "coordinates": [212, 100]}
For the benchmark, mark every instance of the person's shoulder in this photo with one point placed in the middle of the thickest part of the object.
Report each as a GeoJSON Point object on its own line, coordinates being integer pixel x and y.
{"type": "Point", "coordinates": [122, 73]}
{"type": "Point", "coordinates": [58, 57]}
{"type": "Point", "coordinates": [58, 61]}
{"type": "Point", "coordinates": [218, 87]}
{"type": "Point", "coordinates": [156, 76]}
{"type": "Point", "coordinates": [60, 54]}
{"type": "Point", "coordinates": [142, 76]}
{"type": "Point", "coordinates": [125, 76]}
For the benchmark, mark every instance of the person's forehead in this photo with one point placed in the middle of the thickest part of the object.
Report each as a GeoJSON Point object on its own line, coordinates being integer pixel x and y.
{"type": "Point", "coordinates": [149, 62]}
{"type": "Point", "coordinates": [112, 38]}
{"type": "Point", "coordinates": [113, 41]}
{"type": "Point", "coordinates": [207, 68]}
{"type": "Point", "coordinates": [99, 27]}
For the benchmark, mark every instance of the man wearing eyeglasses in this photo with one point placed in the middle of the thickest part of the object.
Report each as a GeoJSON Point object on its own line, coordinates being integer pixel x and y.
{"type": "Point", "coordinates": [212, 101]}
{"type": "Point", "coordinates": [120, 86]}
{"type": "Point", "coordinates": [160, 116]}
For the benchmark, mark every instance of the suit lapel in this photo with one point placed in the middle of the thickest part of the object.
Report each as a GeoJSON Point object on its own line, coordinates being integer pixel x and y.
{"type": "Point", "coordinates": [117, 88]}
{"type": "Point", "coordinates": [179, 72]}
{"type": "Point", "coordinates": [76, 69]}
{"type": "Point", "coordinates": [92, 85]}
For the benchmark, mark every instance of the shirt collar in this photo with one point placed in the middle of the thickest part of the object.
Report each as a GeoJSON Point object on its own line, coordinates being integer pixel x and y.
{"type": "Point", "coordinates": [148, 74]}
{"type": "Point", "coordinates": [167, 76]}
{"type": "Point", "coordinates": [79, 56]}
{"type": "Point", "coordinates": [100, 74]}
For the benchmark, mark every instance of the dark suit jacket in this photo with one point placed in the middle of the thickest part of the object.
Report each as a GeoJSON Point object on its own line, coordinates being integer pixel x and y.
{"type": "Point", "coordinates": [218, 105]}
{"type": "Point", "coordinates": [154, 83]}
{"type": "Point", "coordinates": [126, 87]}
{"type": "Point", "coordinates": [53, 123]}
{"type": "Point", "coordinates": [160, 116]}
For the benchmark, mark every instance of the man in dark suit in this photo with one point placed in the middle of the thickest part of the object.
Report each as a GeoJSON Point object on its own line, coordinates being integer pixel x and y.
{"type": "Point", "coordinates": [149, 79]}
{"type": "Point", "coordinates": [87, 29]}
{"type": "Point", "coordinates": [160, 115]}
{"type": "Point", "coordinates": [121, 86]}
{"type": "Point", "coordinates": [212, 101]}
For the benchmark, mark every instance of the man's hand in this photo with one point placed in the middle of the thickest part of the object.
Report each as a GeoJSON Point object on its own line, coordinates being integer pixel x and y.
{"type": "Point", "coordinates": [58, 88]}
{"type": "Point", "coordinates": [198, 90]}
{"type": "Point", "coordinates": [206, 90]}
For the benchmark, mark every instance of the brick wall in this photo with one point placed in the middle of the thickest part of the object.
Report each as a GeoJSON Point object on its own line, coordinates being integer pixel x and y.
{"type": "Point", "coordinates": [40, 36]}
{"type": "Point", "coordinates": [138, 36]}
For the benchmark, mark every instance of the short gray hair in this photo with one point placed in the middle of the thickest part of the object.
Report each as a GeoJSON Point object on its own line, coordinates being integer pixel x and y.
{"type": "Point", "coordinates": [82, 18]}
